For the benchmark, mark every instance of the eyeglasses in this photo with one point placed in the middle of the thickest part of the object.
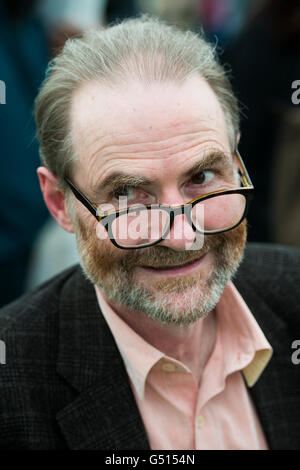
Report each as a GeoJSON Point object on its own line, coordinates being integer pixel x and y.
{"type": "Point", "coordinates": [141, 226]}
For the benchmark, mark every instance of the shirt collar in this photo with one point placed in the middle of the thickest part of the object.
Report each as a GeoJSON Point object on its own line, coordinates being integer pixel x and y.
{"type": "Point", "coordinates": [242, 335]}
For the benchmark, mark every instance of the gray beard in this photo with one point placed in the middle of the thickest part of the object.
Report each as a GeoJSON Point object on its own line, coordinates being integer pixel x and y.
{"type": "Point", "coordinates": [198, 299]}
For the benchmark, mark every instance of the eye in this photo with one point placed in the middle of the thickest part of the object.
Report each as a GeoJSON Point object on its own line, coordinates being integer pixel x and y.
{"type": "Point", "coordinates": [203, 177]}
{"type": "Point", "coordinates": [133, 195]}
{"type": "Point", "coordinates": [124, 191]}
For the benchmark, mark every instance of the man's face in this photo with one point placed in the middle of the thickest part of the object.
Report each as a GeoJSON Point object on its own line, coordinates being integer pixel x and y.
{"type": "Point", "coordinates": [157, 132]}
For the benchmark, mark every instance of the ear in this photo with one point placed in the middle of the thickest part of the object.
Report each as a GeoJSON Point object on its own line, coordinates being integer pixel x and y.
{"type": "Point", "coordinates": [238, 139]}
{"type": "Point", "coordinates": [54, 198]}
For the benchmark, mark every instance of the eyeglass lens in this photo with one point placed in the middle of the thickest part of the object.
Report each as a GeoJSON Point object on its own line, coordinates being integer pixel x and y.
{"type": "Point", "coordinates": [143, 227]}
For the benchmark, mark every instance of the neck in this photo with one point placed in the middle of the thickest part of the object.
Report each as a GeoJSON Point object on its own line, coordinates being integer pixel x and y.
{"type": "Point", "coordinates": [192, 345]}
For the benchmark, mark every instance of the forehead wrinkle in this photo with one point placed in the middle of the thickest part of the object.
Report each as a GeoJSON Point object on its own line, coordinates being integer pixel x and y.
{"type": "Point", "coordinates": [143, 147]}
{"type": "Point", "coordinates": [153, 139]}
{"type": "Point", "coordinates": [102, 164]}
{"type": "Point", "coordinates": [134, 152]}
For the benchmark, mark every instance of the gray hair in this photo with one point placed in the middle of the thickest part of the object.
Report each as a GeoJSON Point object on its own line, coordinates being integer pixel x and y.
{"type": "Point", "coordinates": [145, 49]}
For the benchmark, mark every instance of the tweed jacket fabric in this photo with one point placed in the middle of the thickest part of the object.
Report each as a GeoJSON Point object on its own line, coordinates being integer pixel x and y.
{"type": "Point", "coordinates": [64, 385]}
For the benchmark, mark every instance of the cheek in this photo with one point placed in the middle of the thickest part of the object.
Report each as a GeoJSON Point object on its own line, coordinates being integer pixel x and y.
{"type": "Point", "coordinates": [104, 247]}
{"type": "Point", "coordinates": [236, 240]}
{"type": "Point", "coordinates": [101, 233]}
{"type": "Point", "coordinates": [104, 253]}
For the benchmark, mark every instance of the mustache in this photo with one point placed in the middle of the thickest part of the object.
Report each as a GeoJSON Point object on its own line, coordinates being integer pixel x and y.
{"type": "Point", "coordinates": [159, 256]}
{"type": "Point", "coordinates": [163, 256]}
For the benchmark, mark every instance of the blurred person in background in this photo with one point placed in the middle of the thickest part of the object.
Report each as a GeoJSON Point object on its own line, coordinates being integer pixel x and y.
{"type": "Point", "coordinates": [265, 61]}
{"type": "Point", "coordinates": [222, 20]}
{"type": "Point", "coordinates": [69, 18]}
{"type": "Point", "coordinates": [24, 55]}
{"type": "Point", "coordinates": [178, 12]}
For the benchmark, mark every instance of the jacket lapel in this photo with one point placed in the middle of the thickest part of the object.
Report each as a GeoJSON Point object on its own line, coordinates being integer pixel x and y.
{"type": "Point", "coordinates": [103, 414]}
{"type": "Point", "coordinates": [276, 393]}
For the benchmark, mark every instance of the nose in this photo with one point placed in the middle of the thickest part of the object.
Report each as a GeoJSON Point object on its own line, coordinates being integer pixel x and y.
{"type": "Point", "coordinates": [182, 237]}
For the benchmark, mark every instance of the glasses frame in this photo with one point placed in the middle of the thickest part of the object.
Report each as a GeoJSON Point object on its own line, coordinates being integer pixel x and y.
{"type": "Point", "coordinates": [173, 211]}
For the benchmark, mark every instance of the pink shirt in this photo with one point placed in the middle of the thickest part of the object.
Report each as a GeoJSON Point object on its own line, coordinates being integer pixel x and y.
{"type": "Point", "coordinates": [176, 413]}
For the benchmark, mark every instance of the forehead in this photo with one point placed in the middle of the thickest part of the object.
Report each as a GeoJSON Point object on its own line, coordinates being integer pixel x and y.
{"type": "Point", "coordinates": [144, 126]}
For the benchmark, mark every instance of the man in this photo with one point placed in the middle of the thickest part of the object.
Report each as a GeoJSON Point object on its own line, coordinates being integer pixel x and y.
{"type": "Point", "coordinates": [152, 346]}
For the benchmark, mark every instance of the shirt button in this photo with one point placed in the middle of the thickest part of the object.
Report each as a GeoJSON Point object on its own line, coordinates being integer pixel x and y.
{"type": "Point", "coordinates": [200, 421]}
{"type": "Point", "coordinates": [168, 367]}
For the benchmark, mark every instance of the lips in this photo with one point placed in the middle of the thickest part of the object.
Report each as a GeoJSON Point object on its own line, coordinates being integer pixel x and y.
{"type": "Point", "coordinates": [174, 271]}
{"type": "Point", "coordinates": [161, 268]}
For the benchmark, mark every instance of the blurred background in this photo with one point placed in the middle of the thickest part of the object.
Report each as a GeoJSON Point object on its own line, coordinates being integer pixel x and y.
{"type": "Point", "coordinates": [258, 42]}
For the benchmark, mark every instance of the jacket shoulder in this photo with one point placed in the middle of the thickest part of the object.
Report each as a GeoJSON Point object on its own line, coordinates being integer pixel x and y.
{"type": "Point", "coordinates": [35, 306]}
{"type": "Point", "coordinates": [31, 391]}
{"type": "Point", "coordinates": [29, 326]}
{"type": "Point", "coordinates": [270, 262]}
{"type": "Point", "coordinates": [271, 274]}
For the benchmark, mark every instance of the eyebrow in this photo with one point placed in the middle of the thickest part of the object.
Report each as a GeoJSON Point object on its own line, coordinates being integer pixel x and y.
{"type": "Point", "coordinates": [119, 178]}
{"type": "Point", "coordinates": [216, 158]}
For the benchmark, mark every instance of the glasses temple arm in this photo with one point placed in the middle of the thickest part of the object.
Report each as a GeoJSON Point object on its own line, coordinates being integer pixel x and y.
{"type": "Point", "coordinates": [82, 199]}
{"type": "Point", "coordinates": [245, 172]}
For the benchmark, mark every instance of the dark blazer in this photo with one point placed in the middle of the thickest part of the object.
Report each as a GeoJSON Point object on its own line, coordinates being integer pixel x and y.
{"type": "Point", "coordinates": [64, 384]}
